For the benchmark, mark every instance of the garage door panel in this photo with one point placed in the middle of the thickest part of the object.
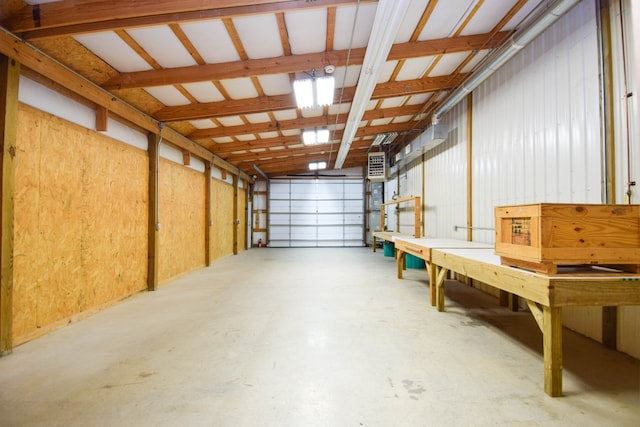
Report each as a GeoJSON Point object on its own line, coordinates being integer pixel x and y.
{"type": "Point", "coordinates": [321, 212]}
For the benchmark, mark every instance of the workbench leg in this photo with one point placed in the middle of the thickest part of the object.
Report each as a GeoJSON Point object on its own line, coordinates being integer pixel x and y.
{"type": "Point", "coordinates": [400, 262]}
{"type": "Point", "coordinates": [374, 242]}
{"type": "Point", "coordinates": [552, 348]}
{"type": "Point", "coordinates": [432, 282]}
{"type": "Point", "coordinates": [440, 275]}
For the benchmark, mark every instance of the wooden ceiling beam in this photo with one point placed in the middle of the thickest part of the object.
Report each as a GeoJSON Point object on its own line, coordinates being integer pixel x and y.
{"type": "Point", "coordinates": [70, 17]}
{"type": "Point", "coordinates": [294, 63]}
{"type": "Point", "coordinates": [300, 165]}
{"type": "Point", "coordinates": [300, 123]}
{"type": "Point", "coordinates": [307, 150]}
{"type": "Point", "coordinates": [228, 148]}
{"type": "Point", "coordinates": [287, 102]}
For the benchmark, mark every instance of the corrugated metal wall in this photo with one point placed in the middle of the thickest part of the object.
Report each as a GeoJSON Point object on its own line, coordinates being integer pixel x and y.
{"type": "Point", "coordinates": [445, 172]}
{"type": "Point", "coordinates": [536, 131]}
{"type": "Point", "coordinates": [627, 130]}
{"type": "Point", "coordinates": [536, 138]}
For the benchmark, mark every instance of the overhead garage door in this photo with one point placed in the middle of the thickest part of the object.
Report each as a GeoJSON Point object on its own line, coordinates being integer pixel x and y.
{"type": "Point", "coordinates": [316, 213]}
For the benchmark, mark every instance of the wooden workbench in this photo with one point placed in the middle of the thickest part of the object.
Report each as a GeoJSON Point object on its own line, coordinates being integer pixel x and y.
{"type": "Point", "coordinates": [422, 248]}
{"type": "Point", "coordinates": [545, 294]}
{"type": "Point", "coordinates": [387, 236]}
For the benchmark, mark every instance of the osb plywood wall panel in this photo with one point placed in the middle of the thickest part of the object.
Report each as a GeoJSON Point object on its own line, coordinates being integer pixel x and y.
{"type": "Point", "coordinates": [80, 224]}
{"type": "Point", "coordinates": [222, 213]}
{"type": "Point", "coordinates": [182, 219]}
{"type": "Point", "coordinates": [242, 213]}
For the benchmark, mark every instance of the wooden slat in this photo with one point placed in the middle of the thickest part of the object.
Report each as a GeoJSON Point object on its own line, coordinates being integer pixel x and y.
{"type": "Point", "coordinates": [9, 82]}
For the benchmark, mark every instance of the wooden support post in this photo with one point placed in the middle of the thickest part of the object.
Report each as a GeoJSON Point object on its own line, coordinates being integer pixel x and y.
{"type": "Point", "coordinates": [552, 347]}
{"type": "Point", "coordinates": [609, 314]}
{"type": "Point", "coordinates": [102, 119]}
{"type": "Point", "coordinates": [236, 219]}
{"type": "Point", "coordinates": [432, 282]}
{"type": "Point", "coordinates": [208, 226]}
{"type": "Point", "coordinates": [417, 207]}
{"type": "Point", "coordinates": [9, 82]}
{"type": "Point", "coordinates": [401, 260]}
{"type": "Point", "coordinates": [154, 211]}
{"type": "Point", "coordinates": [470, 166]}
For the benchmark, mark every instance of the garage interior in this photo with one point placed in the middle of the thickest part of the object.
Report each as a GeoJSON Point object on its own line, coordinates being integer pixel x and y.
{"type": "Point", "coordinates": [184, 242]}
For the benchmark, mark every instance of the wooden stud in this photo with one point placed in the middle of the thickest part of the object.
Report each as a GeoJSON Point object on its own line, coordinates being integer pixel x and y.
{"type": "Point", "coordinates": [223, 174]}
{"type": "Point", "coordinates": [186, 158]}
{"type": "Point", "coordinates": [9, 82]}
{"type": "Point", "coordinates": [417, 207]}
{"type": "Point", "coordinates": [154, 211]}
{"type": "Point", "coordinates": [102, 119]}
{"type": "Point", "coordinates": [208, 226]}
{"type": "Point", "coordinates": [552, 348]}
{"type": "Point", "coordinates": [236, 220]}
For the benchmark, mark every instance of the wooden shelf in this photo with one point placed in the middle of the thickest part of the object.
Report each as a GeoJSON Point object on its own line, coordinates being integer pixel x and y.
{"type": "Point", "coordinates": [416, 210]}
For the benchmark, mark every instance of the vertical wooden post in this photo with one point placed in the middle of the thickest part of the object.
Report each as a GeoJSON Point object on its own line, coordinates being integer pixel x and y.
{"type": "Point", "coordinates": [609, 314]}
{"type": "Point", "coordinates": [235, 214]}
{"type": "Point", "coordinates": [9, 82]}
{"type": "Point", "coordinates": [208, 212]}
{"type": "Point", "coordinates": [154, 211]}
{"type": "Point", "coordinates": [417, 207]}
{"type": "Point", "coordinates": [470, 166]}
{"type": "Point", "coordinates": [552, 350]}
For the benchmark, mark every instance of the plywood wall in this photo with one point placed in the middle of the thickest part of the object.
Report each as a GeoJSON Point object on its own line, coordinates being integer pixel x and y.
{"type": "Point", "coordinates": [182, 218]}
{"type": "Point", "coordinates": [80, 223]}
{"type": "Point", "coordinates": [222, 214]}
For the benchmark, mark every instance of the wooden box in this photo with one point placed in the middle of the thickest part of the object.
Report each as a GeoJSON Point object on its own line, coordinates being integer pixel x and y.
{"type": "Point", "coordinates": [541, 237]}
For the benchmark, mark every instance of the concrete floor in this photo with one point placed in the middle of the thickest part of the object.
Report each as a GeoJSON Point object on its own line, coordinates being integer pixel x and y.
{"type": "Point", "coordinates": [310, 337]}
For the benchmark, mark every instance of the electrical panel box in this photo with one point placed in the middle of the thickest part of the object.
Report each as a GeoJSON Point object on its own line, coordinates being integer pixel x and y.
{"type": "Point", "coordinates": [376, 170]}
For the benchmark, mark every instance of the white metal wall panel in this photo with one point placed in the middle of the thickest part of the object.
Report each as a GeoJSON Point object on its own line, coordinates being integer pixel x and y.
{"type": "Point", "coordinates": [310, 213]}
{"type": "Point", "coordinates": [445, 180]}
{"type": "Point", "coordinates": [536, 138]}
{"type": "Point", "coordinates": [627, 131]}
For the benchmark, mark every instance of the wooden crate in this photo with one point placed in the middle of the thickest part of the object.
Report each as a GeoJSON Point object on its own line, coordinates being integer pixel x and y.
{"type": "Point", "coordinates": [541, 237]}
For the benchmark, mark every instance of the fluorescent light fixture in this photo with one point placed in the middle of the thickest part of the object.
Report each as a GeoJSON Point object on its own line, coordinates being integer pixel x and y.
{"type": "Point", "coordinates": [314, 166]}
{"type": "Point", "coordinates": [314, 92]}
{"type": "Point", "coordinates": [384, 138]}
{"type": "Point", "coordinates": [389, 17]}
{"type": "Point", "coordinates": [315, 137]}
{"type": "Point", "coordinates": [304, 93]}
{"type": "Point", "coordinates": [324, 89]}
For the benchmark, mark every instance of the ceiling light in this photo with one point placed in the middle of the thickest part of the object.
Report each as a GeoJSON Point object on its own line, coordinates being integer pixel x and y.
{"type": "Point", "coordinates": [315, 91]}
{"type": "Point", "coordinates": [384, 138]}
{"type": "Point", "coordinates": [315, 137]}
{"type": "Point", "coordinates": [314, 166]}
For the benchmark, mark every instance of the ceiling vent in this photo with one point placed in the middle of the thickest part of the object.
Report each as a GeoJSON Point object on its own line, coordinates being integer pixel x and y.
{"type": "Point", "coordinates": [433, 136]}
